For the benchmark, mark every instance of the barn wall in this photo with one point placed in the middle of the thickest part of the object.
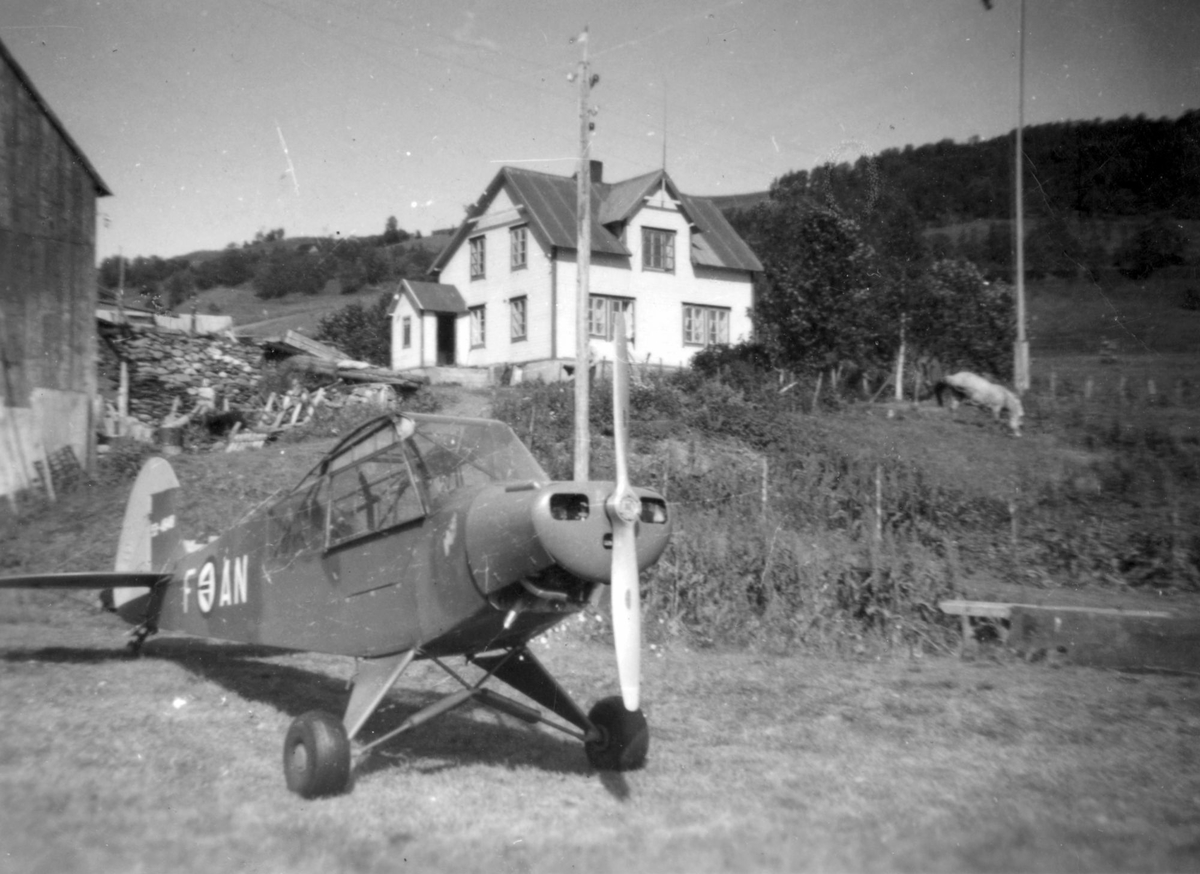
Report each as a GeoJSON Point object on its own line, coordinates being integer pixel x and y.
{"type": "Point", "coordinates": [47, 282]}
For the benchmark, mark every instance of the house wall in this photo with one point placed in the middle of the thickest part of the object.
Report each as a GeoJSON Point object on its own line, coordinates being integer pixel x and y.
{"type": "Point", "coordinates": [403, 359]}
{"type": "Point", "coordinates": [47, 288]}
{"type": "Point", "coordinates": [549, 286]}
{"type": "Point", "coordinates": [499, 286]}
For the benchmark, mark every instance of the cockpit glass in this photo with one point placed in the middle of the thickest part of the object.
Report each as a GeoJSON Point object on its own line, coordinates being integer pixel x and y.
{"type": "Point", "coordinates": [449, 455]}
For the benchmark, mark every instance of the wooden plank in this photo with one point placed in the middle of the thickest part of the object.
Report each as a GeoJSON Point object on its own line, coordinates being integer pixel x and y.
{"type": "Point", "coordinates": [976, 608]}
{"type": "Point", "coordinates": [1000, 610]}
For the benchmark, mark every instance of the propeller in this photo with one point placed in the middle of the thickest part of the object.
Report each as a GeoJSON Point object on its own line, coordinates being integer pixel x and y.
{"type": "Point", "coordinates": [624, 507]}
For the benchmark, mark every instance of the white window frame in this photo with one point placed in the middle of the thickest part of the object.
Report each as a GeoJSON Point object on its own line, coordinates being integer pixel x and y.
{"type": "Point", "coordinates": [518, 314]}
{"type": "Point", "coordinates": [602, 315]}
{"type": "Point", "coordinates": [406, 332]}
{"type": "Point", "coordinates": [518, 240]}
{"type": "Point", "coordinates": [705, 325]}
{"type": "Point", "coordinates": [658, 258]}
{"type": "Point", "coordinates": [478, 326]}
{"type": "Point", "coordinates": [478, 249]}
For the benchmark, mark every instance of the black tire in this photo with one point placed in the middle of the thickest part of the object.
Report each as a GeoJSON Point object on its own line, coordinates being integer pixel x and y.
{"type": "Point", "coordinates": [316, 756]}
{"type": "Point", "coordinates": [624, 737]}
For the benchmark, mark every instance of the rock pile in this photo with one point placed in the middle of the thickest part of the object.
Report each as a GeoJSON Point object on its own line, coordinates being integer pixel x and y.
{"type": "Point", "coordinates": [164, 367]}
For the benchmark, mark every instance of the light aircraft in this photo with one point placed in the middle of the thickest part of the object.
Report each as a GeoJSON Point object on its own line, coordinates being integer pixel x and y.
{"type": "Point", "coordinates": [416, 537]}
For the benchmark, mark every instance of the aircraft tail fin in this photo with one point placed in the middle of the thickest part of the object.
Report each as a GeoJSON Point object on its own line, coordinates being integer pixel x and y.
{"type": "Point", "coordinates": [150, 536]}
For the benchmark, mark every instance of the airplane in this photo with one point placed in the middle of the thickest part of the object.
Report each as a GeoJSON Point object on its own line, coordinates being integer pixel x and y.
{"type": "Point", "coordinates": [415, 537]}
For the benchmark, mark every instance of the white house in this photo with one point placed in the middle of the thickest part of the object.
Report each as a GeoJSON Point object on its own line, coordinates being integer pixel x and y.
{"type": "Point", "coordinates": [506, 283]}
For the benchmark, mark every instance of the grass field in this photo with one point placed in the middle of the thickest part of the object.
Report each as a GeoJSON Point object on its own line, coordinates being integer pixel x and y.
{"type": "Point", "coordinates": [172, 763]}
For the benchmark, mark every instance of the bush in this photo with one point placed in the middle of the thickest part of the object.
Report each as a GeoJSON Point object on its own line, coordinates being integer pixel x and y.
{"type": "Point", "coordinates": [363, 333]}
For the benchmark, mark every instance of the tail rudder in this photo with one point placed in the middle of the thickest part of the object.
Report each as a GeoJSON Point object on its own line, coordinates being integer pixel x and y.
{"type": "Point", "coordinates": [150, 536]}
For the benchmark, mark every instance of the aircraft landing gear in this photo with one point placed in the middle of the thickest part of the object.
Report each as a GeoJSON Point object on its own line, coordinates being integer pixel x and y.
{"type": "Point", "coordinates": [316, 756]}
{"type": "Point", "coordinates": [624, 737]}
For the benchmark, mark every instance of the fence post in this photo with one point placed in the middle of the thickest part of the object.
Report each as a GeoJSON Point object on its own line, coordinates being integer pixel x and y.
{"type": "Point", "coordinates": [764, 487]}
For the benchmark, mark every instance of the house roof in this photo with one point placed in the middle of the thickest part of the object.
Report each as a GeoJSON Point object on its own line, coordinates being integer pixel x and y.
{"type": "Point", "coordinates": [101, 189]}
{"type": "Point", "coordinates": [433, 296]}
{"type": "Point", "coordinates": [548, 204]}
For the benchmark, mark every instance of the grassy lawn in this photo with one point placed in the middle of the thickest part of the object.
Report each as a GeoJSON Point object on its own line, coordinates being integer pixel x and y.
{"type": "Point", "coordinates": [172, 763]}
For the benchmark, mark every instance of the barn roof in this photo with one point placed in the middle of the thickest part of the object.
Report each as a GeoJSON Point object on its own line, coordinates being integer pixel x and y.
{"type": "Point", "coordinates": [101, 188]}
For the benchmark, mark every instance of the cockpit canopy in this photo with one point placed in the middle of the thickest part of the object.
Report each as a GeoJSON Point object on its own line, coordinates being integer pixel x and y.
{"type": "Point", "coordinates": [395, 470]}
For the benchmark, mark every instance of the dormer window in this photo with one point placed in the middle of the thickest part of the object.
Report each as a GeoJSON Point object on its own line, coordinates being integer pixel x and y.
{"type": "Point", "coordinates": [658, 250]}
{"type": "Point", "coordinates": [478, 260]}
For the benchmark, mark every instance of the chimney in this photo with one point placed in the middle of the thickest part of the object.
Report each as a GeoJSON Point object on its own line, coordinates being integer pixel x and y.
{"type": "Point", "coordinates": [597, 168]}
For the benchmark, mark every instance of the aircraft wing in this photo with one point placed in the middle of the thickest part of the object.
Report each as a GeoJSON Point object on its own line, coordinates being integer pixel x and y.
{"type": "Point", "coordinates": [83, 580]}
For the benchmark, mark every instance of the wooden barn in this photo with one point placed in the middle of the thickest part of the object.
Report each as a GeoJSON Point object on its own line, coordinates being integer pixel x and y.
{"type": "Point", "coordinates": [48, 194]}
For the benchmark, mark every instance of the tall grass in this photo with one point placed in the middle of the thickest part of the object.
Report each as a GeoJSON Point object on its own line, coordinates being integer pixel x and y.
{"type": "Point", "coordinates": [800, 526]}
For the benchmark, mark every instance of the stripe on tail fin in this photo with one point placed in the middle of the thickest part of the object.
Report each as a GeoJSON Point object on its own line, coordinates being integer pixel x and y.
{"type": "Point", "coordinates": [150, 537]}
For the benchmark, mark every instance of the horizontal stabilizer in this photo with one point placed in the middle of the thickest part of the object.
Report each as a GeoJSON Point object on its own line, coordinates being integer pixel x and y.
{"type": "Point", "coordinates": [84, 580]}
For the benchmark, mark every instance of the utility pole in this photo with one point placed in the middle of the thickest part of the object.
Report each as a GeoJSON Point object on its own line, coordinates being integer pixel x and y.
{"type": "Point", "coordinates": [583, 262]}
{"type": "Point", "coordinates": [1021, 350]}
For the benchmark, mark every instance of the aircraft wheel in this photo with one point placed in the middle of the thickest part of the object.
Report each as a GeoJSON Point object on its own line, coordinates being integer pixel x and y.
{"type": "Point", "coordinates": [316, 755]}
{"type": "Point", "coordinates": [624, 737]}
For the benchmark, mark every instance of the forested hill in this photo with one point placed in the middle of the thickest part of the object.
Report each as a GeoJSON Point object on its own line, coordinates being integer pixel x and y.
{"type": "Point", "coordinates": [1126, 167]}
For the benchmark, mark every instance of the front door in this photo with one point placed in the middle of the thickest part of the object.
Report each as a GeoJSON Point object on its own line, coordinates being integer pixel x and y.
{"type": "Point", "coordinates": [445, 340]}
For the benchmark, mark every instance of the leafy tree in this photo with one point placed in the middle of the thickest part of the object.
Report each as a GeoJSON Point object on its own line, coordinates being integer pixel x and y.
{"type": "Point", "coordinates": [231, 268]}
{"type": "Point", "coordinates": [178, 287]}
{"type": "Point", "coordinates": [817, 301]}
{"type": "Point", "coordinates": [363, 333]}
{"type": "Point", "coordinates": [1157, 243]}
{"type": "Point", "coordinates": [962, 320]}
{"type": "Point", "coordinates": [287, 272]}
{"type": "Point", "coordinates": [392, 233]}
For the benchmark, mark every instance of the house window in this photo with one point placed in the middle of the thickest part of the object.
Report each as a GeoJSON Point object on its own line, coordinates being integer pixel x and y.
{"type": "Point", "coordinates": [478, 260]}
{"type": "Point", "coordinates": [705, 326]}
{"type": "Point", "coordinates": [517, 312]}
{"type": "Point", "coordinates": [658, 250]}
{"type": "Point", "coordinates": [406, 332]}
{"type": "Point", "coordinates": [518, 239]}
{"type": "Point", "coordinates": [478, 327]}
{"type": "Point", "coordinates": [602, 315]}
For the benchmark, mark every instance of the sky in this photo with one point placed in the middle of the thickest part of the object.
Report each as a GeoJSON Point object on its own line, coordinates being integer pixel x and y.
{"type": "Point", "coordinates": [212, 120]}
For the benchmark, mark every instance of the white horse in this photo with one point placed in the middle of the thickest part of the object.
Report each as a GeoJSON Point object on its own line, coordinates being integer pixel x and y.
{"type": "Point", "coordinates": [970, 387]}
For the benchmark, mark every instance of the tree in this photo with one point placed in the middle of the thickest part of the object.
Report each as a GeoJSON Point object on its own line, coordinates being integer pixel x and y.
{"type": "Point", "coordinates": [392, 233]}
{"type": "Point", "coordinates": [178, 287]}
{"type": "Point", "coordinates": [1157, 243]}
{"type": "Point", "coordinates": [287, 272]}
{"type": "Point", "coordinates": [817, 298]}
{"type": "Point", "coordinates": [962, 320]}
{"type": "Point", "coordinates": [231, 268]}
{"type": "Point", "coordinates": [363, 333]}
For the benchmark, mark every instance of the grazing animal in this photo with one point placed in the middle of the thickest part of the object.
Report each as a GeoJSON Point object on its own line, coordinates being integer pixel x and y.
{"type": "Point", "coordinates": [970, 387]}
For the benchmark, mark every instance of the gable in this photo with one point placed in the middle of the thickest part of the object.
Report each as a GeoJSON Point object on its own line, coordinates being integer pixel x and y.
{"type": "Point", "coordinates": [547, 203]}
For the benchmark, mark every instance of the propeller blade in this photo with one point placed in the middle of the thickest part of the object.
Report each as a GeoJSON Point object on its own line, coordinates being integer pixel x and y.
{"type": "Point", "coordinates": [624, 508]}
{"type": "Point", "coordinates": [627, 613]}
{"type": "Point", "coordinates": [621, 406]}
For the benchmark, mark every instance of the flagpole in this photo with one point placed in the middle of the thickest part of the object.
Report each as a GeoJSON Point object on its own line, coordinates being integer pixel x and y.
{"type": "Point", "coordinates": [1021, 347]}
